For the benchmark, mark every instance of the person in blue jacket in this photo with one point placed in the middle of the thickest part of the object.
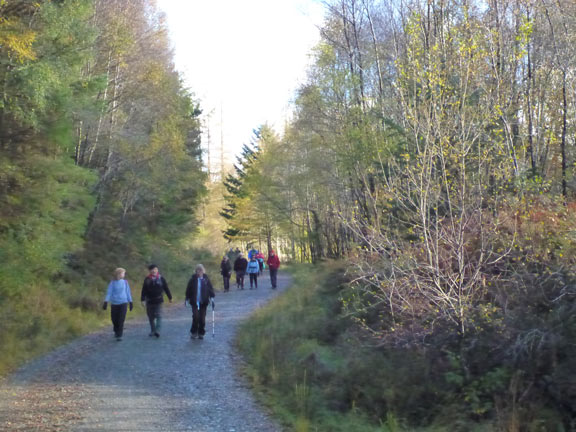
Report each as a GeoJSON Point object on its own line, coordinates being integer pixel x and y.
{"type": "Point", "coordinates": [120, 298]}
{"type": "Point", "coordinates": [253, 269]}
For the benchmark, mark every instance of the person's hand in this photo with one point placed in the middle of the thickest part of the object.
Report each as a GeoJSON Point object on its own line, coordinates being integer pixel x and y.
{"type": "Point", "coordinates": [131, 306]}
{"type": "Point", "coordinates": [170, 300]}
{"type": "Point", "coordinates": [213, 304]}
{"type": "Point", "coordinates": [143, 303]}
{"type": "Point", "coordinates": [104, 305]}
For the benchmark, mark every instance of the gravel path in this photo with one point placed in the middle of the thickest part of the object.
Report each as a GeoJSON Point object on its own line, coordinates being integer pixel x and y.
{"type": "Point", "coordinates": [144, 384]}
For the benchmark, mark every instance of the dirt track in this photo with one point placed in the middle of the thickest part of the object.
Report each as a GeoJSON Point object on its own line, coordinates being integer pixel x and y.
{"type": "Point", "coordinates": [143, 384]}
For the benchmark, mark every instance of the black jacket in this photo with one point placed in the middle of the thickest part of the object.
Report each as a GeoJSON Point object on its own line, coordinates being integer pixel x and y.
{"type": "Point", "coordinates": [225, 268]}
{"type": "Point", "coordinates": [153, 290]}
{"type": "Point", "coordinates": [240, 264]}
{"type": "Point", "coordinates": [206, 290]}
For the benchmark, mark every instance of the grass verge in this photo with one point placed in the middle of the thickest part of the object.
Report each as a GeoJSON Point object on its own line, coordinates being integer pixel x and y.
{"type": "Point", "coordinates": [302, 359]}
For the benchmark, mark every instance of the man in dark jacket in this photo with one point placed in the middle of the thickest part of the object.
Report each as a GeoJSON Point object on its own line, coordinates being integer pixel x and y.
{"type": "Point", "coordinates": [153, 290]}
{"type": "Point", "coordinates": [273, 264]}
{"type": "Point", "coordinates": [240, 266]}
{"type": "Point", "coordinates": [226, 272]}
{"type": "Point", "coordinates": [199, 293]}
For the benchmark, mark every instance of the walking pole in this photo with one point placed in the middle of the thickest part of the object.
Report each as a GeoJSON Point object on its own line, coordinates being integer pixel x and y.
{"type": "Point", "coordinates": [212, 317]}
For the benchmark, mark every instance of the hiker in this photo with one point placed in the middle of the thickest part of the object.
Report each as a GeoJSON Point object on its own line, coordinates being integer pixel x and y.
{"type": "Point", "coordinates": [273, 264]}
{"type": "Point", "coordinates": [153, 290]}
{"type": "Point", "coordinates": [231, 254]}
{"type": "Point", "coordinates": [226, 272]}
{"type": "Point", "coordinates": [199, 293]}
{"type": "Point", "coordinates": [120, 299]}
{"type": "Point", "coordinates": [240, 268]}
{"type": "Point", "coordinates": [253, 269]}
{"type": "Point", "coordinates": [260, 259]}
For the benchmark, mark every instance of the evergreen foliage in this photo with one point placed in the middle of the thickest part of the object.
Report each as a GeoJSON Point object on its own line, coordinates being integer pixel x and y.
{"type": "Point", "coordinates": [100, 163]}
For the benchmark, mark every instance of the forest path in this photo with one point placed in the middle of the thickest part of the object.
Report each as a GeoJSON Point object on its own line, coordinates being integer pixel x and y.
{"type": "Point", "coordinates": [141, 383]}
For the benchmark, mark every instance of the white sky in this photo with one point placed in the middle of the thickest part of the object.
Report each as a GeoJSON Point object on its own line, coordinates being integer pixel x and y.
{"type": "Point", "coordinates": [242, 58]}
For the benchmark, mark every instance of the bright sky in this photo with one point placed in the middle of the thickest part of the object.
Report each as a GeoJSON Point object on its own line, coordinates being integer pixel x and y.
{"type": "Point", "coordinates": [243, 60]}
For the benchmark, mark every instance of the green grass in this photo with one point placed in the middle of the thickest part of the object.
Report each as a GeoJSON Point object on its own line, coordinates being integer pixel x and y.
{"type": "Point", "coordinates": [297, 350]}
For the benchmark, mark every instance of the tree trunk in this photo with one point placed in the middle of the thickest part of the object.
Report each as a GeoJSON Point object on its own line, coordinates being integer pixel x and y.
{"type": "Point", "coordinates": [563, 141]}
{"type": "Point", "coordinates": [529, 106]}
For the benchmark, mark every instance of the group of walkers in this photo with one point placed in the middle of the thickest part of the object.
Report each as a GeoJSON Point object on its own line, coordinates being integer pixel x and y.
{"type": "Point", "coordinates": [253, 267]}
{"type": "Point", "coordinates": [199, 291]}
{"type": "Point", "coordinates": [199, 295]}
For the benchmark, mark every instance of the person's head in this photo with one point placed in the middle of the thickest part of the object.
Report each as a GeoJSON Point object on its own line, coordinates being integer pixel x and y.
{"type": "Point", "coordinates": [153, 269]}
{"type": "Point", "coordinates": [119, 273]}
{"type": "Point", "coordinates": [272, 252]}
{"type": "Point", "coordinates": [241, 255]}
{"type": "Point", "coordinates": [225, 258]}
{"type": "Point", "coordinates": [200, 270]}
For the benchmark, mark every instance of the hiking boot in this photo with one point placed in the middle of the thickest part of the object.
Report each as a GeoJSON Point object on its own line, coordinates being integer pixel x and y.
{"type": "Point", "coordinates": [157, 334]}
{"type": "Point", "coordinates": [200, 336]}
{"type": "Point", "coordinates": [193, 335]}
{"type": "Point", "coordinates": [150, 334]}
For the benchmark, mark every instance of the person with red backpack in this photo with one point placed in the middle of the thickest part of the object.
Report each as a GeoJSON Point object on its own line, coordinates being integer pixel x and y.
{"type": "Point", "coordinates": [260, 258]}
{"type": "Point", "coordinates": [273, 264]}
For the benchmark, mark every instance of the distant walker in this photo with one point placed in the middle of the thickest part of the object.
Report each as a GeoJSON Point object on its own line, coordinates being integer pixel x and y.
{"type": "Point", "coordinates": [273, 263]}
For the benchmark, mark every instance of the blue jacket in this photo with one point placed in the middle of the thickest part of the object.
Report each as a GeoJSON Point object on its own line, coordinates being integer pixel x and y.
{"type": "Point", "coordinates": [118, 292]}
{"type": "Point", "coordinates": [253, 267]}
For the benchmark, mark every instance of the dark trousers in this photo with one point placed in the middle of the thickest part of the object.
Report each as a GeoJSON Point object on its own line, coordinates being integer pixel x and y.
{"type": "Point", "coordinates": [226, 282]}
{"type": "Point", "coordinates": [198, 320]}
{"type": "Point", "coordinates": [273, 274]}
{"type": "Point", "coordinates": [118, 315]}
{"type": "Point", "coordinates": [154, 312]}
{"type": "Point", "coordinates": [240, 279]}
{"type": "Point", "coordinates": [254, 279]}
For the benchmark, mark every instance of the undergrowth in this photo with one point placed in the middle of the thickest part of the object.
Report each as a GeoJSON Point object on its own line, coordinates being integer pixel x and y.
{"type": "Point", "coordinates": [317, 371]}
